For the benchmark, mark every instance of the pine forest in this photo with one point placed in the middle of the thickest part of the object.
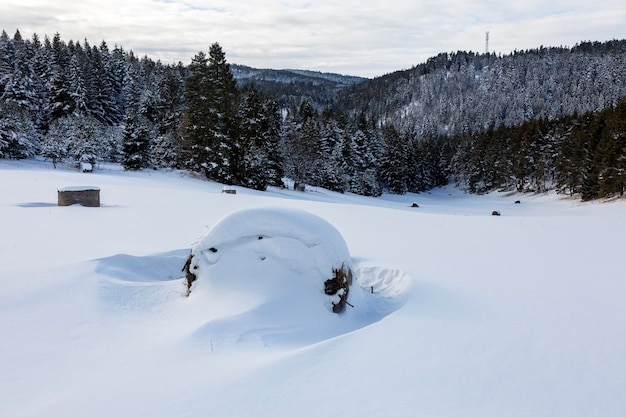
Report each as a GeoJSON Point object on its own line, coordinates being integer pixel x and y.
{"type": "Point", "coordinates": [551, 118]}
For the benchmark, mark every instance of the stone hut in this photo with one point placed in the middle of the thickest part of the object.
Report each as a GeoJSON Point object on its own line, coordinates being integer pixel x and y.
{"type": "Point", "coordinates": [85, 195]}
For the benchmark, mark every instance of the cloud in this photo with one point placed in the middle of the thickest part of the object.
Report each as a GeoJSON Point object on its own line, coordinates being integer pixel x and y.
{"type": "Point", "coordinates": [364, 37]}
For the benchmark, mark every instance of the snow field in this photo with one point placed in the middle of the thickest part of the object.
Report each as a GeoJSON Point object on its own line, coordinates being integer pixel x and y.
{"type": "Point", "coordinates": [471, 314]}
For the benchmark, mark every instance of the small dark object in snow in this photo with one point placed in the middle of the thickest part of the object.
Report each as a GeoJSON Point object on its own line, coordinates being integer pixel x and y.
{"type": "Point", "coordinates": [227, 190]}
{"type": "Point", "coordinates": [414, 205]}
{"type": "Point", "coordinates": [518, 202]}
{"type": "Point", "coordinates": [495, 213]}
{"type": "Point", "coordinates": [213, 250]}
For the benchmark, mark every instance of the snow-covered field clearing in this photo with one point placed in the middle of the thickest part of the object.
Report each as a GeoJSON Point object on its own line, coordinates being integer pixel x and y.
{"type": "Point", "coordinates": [471, 314]}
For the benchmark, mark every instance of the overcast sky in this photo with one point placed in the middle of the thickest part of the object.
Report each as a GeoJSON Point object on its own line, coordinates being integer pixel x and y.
{"type": "Point", "coordinates": [356, 37]}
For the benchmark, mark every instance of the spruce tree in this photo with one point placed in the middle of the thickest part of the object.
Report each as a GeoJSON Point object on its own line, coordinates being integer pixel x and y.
{"type": "Point", "coordinates": [60, 103]}
{"type": "Point", "coordinates": [135, 143]}
{"type": "Point", "coordinates": [302, 148]}
{"type": "Point", "coordinates": [611, 152]}
{"type": "Point", "coordinates": [77, 87]}
{"type": "Point", "coordinates": [251, 138]}
{"type": "Point", "coordinates": [18, 138]}
{"type": "Point", "coordinates": [84, 134]}
{"type": "Point", "coordinates": [212, 98]}
{"type": "Point", "coordinates": [366, 151]}
{"type": "Point", "coordinates": [333, 176]}
{"type": "Point", "coordinates": [196, 117]}
{"type": "Point", "coordinates": [272, 133]}
{"type": "Point", "coordinates": [393, 167]}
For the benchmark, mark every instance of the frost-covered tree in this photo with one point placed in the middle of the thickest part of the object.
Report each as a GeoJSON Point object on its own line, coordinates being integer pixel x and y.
{"type": "Point", "coordinates": [77, 88]}
{"type": "Point", "coordinates": [393, 171]}
{"type": "Point", "coordinates": [272, 135]}
{"type": "Point", "coordinates": [18, 138]}
{"type": "Point", "coordinates": [135, 143]}
{"type": "Point", "coordinates": [366, 157]}
{"type": "Point", "coordinates": [84, 135]}
{"type": "Point", "coordinates": [60, 103]}
{"type": "Point", "coordinates": [110, 143]}
{"type": "Point", "coordinates": [254, 158]}
{"type": "Point", "coordinates": [19, 90]}
{"type": "Point", "coordinates": [165, 150]}
{"type": "Point", "coordinates": [55, 144]}
{"type": "Point", "coordinates": [132, 86]}
{"type": "Point", "coordinates": [611, 153]}
{"type": "Point", "coordinates": [7, 58]}
{"type": "Point", "coordinates": [302, 147]}
{"type": "Point", "coordinates": [335, 169]}
{"type": "Point", "coordinates": [259, 136]}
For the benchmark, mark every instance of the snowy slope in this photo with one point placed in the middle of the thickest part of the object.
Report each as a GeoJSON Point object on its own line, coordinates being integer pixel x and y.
{"type": "Point", "coordinates": [471, 315]}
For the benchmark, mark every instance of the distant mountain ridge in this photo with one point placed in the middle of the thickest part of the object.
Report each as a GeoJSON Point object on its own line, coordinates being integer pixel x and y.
{"type": "Point", "coordinates": [245, 73]}
{"type": "Point", "coordinates": [290, 88]}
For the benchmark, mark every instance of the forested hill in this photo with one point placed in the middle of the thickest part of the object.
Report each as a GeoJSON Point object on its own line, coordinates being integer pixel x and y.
{"type": "Point", "coordinates": [456, 93]}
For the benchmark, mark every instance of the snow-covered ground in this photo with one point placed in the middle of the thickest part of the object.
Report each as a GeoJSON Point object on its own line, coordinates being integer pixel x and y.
{"type": "Point", "coordinates": [471, 314]}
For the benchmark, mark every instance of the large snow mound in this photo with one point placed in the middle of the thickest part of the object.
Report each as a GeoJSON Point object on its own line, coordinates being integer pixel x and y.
{"type": "Point", "coordinates": [260, 282]}
{"type": "Point", "coordinates": [222, 315]}
{"type": "Point", "coordinates": [262, 276]}
{"type": "Point", "coordinates": [275, 253]}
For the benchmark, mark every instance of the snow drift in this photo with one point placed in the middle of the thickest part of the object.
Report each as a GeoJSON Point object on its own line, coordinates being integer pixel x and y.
{"type": "Point", "coordinates": [272, 276]}
{"type": "Point", "coordinates": [272, 250]}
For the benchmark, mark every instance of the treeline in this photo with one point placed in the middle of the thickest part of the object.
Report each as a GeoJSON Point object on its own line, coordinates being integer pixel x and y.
{"type": "Point", "coordinates": [68, 101]}
{"type": "Point", "coordinates": [482, 121]}
{"type": "Point", "coordinates": [577, 154]}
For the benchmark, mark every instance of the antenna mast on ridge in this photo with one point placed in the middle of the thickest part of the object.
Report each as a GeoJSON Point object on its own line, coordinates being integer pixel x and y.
{"type": "Point", "coordinates": [487, 42]}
